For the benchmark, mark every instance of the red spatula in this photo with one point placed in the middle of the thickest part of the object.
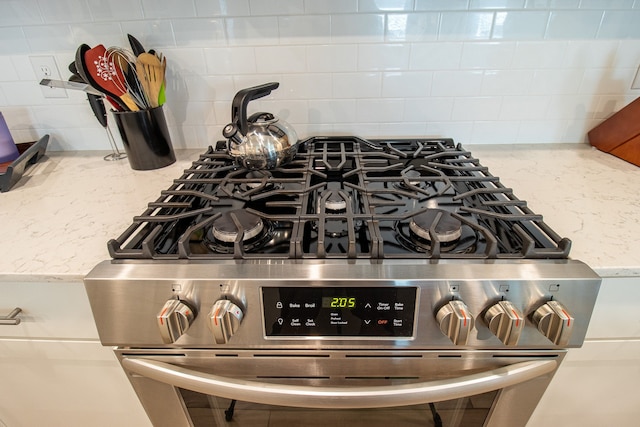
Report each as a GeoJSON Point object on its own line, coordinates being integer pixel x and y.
{"type": "Point", "coordinates": [107, 75]}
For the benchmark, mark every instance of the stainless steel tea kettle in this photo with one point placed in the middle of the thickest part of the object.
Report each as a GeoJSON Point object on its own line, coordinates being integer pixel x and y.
{"type": "Point", "coordinates": [262, 141]}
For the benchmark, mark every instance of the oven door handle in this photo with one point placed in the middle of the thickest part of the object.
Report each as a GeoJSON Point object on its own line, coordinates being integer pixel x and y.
{"type": "Point", "coordinates": [335, 396]}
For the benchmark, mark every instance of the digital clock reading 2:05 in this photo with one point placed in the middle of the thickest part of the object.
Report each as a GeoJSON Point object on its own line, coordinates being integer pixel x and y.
{"type": "Point", "coordinates": [339, 302]}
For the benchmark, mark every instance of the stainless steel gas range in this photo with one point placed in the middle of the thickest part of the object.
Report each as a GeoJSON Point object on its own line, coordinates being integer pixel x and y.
{"type": "Point", "coordinates": [365, 282]}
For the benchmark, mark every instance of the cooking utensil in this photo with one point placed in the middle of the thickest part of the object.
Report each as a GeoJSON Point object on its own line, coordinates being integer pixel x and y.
{"type": "Point", "coordinates": [97, 106]}
{"type": "Point", "coordinates": [125, 61]}
{"type": "Point", "coordinates": [73, 85]}
{"type": "Point", "coordinates": [136, 46]}
{"type": "Point", "coordinates": [106, 75]}
{"type": "Point", "coordinates": [83, 71]}
{"type": "Point", "coordinates": [151, 73]}
{"type": "Point", "coordinates": [262, 141]}
{"type": "Point", "coordinates": [162, 97]}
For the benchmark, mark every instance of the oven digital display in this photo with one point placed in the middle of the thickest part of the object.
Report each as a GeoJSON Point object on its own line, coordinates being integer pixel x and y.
{"type": "Point", "coordinates": [339, 311]}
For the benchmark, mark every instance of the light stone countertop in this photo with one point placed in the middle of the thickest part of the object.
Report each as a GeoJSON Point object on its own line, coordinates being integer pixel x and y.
{"type": "Point", "coordinates": [56, 221]}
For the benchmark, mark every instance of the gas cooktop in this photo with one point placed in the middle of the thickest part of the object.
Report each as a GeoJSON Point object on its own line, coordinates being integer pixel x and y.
{"type": "Point", "coordinates": [341, 197]}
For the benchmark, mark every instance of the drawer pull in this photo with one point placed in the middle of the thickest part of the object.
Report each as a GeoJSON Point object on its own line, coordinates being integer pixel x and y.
{"type": "Point", "coordinates": [11, 318]}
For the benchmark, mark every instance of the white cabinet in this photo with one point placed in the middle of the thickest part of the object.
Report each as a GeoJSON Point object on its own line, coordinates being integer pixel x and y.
{"type": "Point", "coordinates": [596, 385]}
{"type": "Point", "coordinates": [53, 369]}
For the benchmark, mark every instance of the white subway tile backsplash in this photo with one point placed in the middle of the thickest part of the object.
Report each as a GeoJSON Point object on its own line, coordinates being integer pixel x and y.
{"type": "Point", "coordinates": [338, 111]}
{"type": "Point", "coordinates": [20, 12]}
{"type": "Point", "coordinates": [309, 29]}
{"type": "Point", "coordinates": [385, 5]}
{"type": "Point", "coordinates": [627, 54]}
{"type": "Point", "coordinates": [496, 4]}
{"type": "Point", "coordinates": [198, 32]}
{"type": "Point", "coordinates": [435, 56]}
{"type": "Point", "coordinates": [252, 30]}
{"type": "Point", "coordinates": [581, 53]}
{"type": "Point", "coordinates": [524, 107]}
{"type": "Point", "coordinates": [495, 132]}
{"type": "Point", "coordinates": [50, 38]}
{"type": "Point", "coordinates": [606, 4]}
{"type": "Point", "coordinates": [153, 34]}
{"type": "Point", "coordinates": [442, 4]}
{"type": "Point", "coordinates": [475, 70]}
{"type": "Point", "coordinates": [357, 85]}
{"type": "Point", "coordinates": [281, 59]}
{"type": "Point", "coordinates": [105, 33]}
{"type": "Point", "coordinates": [115, 10]}
{"type": "Point", "coordinates": [305, 86]}
{"type": "Point", "coordinates": [332, 58]}
{"type": "Point", "coordinates": [64, 11]}
{"type": "Point", "coordinates": [490, 55]}
{"type": "Point", "coordinates": [7, 70]}
{"type": "Point", "coordinates": [331, 6]}
{"type": "Point", "coordinates": [552, 4]}
{"type": "Point", "coordinates": [276, 7]}
{"type": "Point", "coordinates": [618, 24]}
{"type": "Point", "coordinates": [556, 81]}
{"type": "Point", "coordinates": [537, 54]}
{"type": "Point", "coordinates": [457, 83]}
{"type": "Point", "coordinates": [383, 57]}
{"type": "Point", "coordinates": [156, 9]}
{"type": "Point", "coordinates": [460, 131]}
{"type": "Point", "coordinates": [506, 82]}
{"type": "Point", "coordinates": [432, 109]}
{"type": "Point", "coordinates": [520, 25]}
{"type": "Point", "coordinates": [225, 60]}
{"type": "Point", "coordinates": [572, 24]}
{"type": "Point", "coordinates": [361, 28]}
{"type": "Point", "coordinates": [607, 81]}
{"type": "Point", "coordinates": [186, 61]}
{"type": "Point", "coordinates": [379, 110]}
{"type": "Point", "coordinates": [465, 25]}
{"type": "Point", "coordinates": [571, 107]}
{"type": "Point", "coordinates": [414, 27]}
{"type": "Point", "coordinates": [208, 8]}
{"type": "Point", "coordinates": [406, 84]}
{"type": "Point", "coordinates": [476, 108]}
{"type": "Point", "coordinates": [13, 41]}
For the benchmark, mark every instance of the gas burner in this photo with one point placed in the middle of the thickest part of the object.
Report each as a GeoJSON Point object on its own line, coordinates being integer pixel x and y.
{"type": "Point", "coordinates": [453, 236]}
{"type": "Point", "coordinates": [260, 181]}
{"type": "Point", "coordinates": [447, 228]}
{"type": "Point", "coordinates": [335, 203]}
{"type": "Point", "coordinates": [224, 229]}
{"type": "Point", "coordinates": [336, 229]}
{"type": "Point", "coordinates": [410, 177]}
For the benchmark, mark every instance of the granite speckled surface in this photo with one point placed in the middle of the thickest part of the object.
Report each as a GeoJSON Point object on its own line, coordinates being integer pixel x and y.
{"type": "Point", "coordinates": [56, 221]}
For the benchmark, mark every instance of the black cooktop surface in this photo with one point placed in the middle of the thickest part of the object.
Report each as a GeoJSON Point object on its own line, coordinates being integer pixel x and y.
{"type": "Point", "coordinates": [341, 197]}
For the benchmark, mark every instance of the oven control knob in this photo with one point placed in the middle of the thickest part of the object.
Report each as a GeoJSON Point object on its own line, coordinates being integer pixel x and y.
{"type": "Point", "coordinates": [224, 320]}
{"type": "Point", "coordinates": [455, 321]}
{"type": "Point", "coordinates": [174, 319]}
{"type": "Point", "coordinates": [555, 322]}
{"type": "Point", "coordinates": [505, 321]}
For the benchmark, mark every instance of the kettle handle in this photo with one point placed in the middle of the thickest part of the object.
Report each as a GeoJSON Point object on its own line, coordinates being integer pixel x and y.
{"type": "Point", "coordinates": [242, 99]}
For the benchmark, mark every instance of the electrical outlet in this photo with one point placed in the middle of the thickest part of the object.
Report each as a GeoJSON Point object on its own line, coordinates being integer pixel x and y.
{"type": "Point", "coordinates": [636, 81]}
{"type": "Point", "coordinates": [45, 67]}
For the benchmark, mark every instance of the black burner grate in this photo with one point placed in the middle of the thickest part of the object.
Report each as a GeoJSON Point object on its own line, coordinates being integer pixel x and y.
{"type": "Point", "coordinates": [342, 197]}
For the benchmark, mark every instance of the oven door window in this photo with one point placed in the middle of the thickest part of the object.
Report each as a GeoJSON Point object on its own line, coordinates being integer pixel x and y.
{"type": "Point", "coordinates": [205, 410]}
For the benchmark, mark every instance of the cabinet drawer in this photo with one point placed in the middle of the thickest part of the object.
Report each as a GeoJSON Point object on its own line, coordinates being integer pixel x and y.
{"type": "Point", "coordinates": [65, 384]}
{"type": "Point", "coordinates": [615, 315]}
{"type": "Point", "coordinates": [49, 310]}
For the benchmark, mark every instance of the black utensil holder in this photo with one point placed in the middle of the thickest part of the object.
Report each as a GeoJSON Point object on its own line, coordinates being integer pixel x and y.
{"type": "Point", "coordinates": [146, 138]}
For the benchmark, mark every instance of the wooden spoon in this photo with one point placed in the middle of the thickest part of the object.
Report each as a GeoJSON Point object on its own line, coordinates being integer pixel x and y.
{"type": "Point", "coordinates": [103, 71]}
{"type": "Point", "coordinates": [150, 68]}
